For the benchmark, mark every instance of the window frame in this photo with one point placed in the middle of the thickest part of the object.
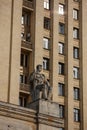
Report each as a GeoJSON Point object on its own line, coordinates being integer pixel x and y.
{"type": "Point", "coordinates": [47, 4]}
{"type": "Point", "coordinates": [60, 128]}
{"type": "Point", "coordinates": [76, 72]}
{"type": "Point", "coordinates": [24, 60]}
{"type": "Point", "coordinates": [46, 23]}
{"type": "Point", "coordinates": [23, 101]}
{"type": "Point", "coordinates": [61, 89]}
{"type": "Point", "coordinates": [75, 33]}
{"type": "Point", "coordinates": [75, 14]}
{"type": "Point", "coordinates": [61, 9]}
{"type": "Point", "coordinates": [76, 0]}
{"type": "Point", "coordinates": [61, 28]}
{"type": "Point", "coordinates": [75, 52]}
{"type": "Point", "coordinates": [61, 68]}
{"type": "Point", "coordinates": [61, 111]}
{"type": "Point", "coordinates": [23, 79]}
{"type": "Point", "coordinates": [76, 92]}
{"type": "Point", "coordinates": [46, 42]}
{"type": "Point", "coordinates": [76, 115]}
{"type": "Point", "coordinates": [61, 48]}
{"type": "Point", "coordinates": [46, 63]}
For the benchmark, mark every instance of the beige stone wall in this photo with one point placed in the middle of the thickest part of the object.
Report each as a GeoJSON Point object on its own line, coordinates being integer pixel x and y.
{"type": "Point", "coordinates": [54, 49]}
{"type": "Point", "coordinates": [14, 124]}
{"type": "Point", "coordinates": [69, 105]}
{"type": "Point", "coordinates": [83, 65]}
{"type": "Point", "coordinates": [15, 48]}
{"type": "Point", "coordinates": [5, 24]}
{"type": "Point", "coordinates": [38, 41]}
{"type": "Point", "coordinates": [10, 44]}
{"type": "Point", "coordinates": [46, 127]}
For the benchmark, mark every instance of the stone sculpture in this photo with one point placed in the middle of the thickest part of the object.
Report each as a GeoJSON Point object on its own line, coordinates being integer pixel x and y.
{"type": "Point", "coordinates": [39, 85]}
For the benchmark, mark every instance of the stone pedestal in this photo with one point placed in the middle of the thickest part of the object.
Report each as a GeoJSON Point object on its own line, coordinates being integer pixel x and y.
{"type": "Point", "coordinates": [47, 114]}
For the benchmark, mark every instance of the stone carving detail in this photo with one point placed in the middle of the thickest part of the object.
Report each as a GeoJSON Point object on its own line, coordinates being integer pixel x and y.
{"type": "Point", "coordinates": [39, 85]}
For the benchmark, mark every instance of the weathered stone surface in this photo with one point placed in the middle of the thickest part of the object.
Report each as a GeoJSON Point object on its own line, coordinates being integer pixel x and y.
{"type": "Point", "coordinates": [40, 115]}
{"type": "Point", "coordinates": [45, 107]}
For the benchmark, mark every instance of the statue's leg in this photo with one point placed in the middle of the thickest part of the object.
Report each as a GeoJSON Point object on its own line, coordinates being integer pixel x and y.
{"type": "Point", "coordinates": [44, 92]}
{"type": "Point", "coordinates": [37, 94]}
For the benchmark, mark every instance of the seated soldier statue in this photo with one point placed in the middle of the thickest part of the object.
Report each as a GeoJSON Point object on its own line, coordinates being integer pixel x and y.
{"type": "Point", "coordinates": [39, 86]}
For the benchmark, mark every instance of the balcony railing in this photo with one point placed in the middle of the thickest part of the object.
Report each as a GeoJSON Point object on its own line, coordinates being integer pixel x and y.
{"type": "Point", "coordinates": [24, 87]}
{"type": "Point", "coordinates": [28, 4]}
{"type": "Point", "coordinates": [26, 45]}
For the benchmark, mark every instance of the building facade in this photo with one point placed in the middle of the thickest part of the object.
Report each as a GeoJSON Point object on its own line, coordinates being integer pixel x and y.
{"type": "Point", "coordinates": [51, 33]}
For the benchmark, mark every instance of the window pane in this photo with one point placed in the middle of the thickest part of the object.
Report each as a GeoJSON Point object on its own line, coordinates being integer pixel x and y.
{"type": "Point", "coordinates": [46, 63]}
{"type": "Point", "coordinates": [22, 19]}
{"type": "Point", "coordinates": [76, 93]}
{"type": "Point", "coordinates": [76, 72]}
{"type": "Point", "coordinates": [61, 68]}
{"type": "Point", "coordinates": [46, 4]}
{"type": "Point", "coordinates": [61, 48]}
{"type": "Point", "coordinates": [46, 43]}
{"type": "Point", "coordinates": [61, 9]}
{"type": "Point", "coordinates": [61, 28]}
{"type": "Point", "coordinates": [60, 89]}
{"type": "Point", "coordinates": [75, 33]}
{"type": "Point", "coordinates": [75, 14]}
{"type": "Point", "coordinates": [61, 111]}
{"type": "Point", "coordinates": [46, 23]}
{"type": "Point", "coordinates": [76, 114]}
{"type": "Point", "coordinates": [22, 59]}
{"type": "Point", "coordinates": [21, 78]}
{"type": "Point", "coordinates": [60, 128]}
{"type": "Point", "coordinates": [76, 52]}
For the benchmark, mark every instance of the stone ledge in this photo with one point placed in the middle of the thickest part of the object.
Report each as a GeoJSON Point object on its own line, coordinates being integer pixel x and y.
{"type": "Point", "coordinates": [46, 116]}
{"type": "Point", "coordinates": [17, 112]}
{"type": "Point", "coordinates": [47, 112]}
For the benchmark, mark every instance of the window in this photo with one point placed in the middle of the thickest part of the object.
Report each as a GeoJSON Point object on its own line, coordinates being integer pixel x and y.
{"type": "Point", "coordinates": [75, 33]}
{"type": "Point", "coordinates": [76, 52]}
{"type": "Point", "coordinates": [60, 89]}
{"type": "Point", "coordinates": [28, 37]}
{"type": "Point", "coordinates": [46, 23]}
{"type": "Point", "coordinates": [61, 68]}
{"type": "Point", "coordinates": [24, 60]}
{"type": "Point", "coordinates": [22, 35]}
{"type": "Point", "coordinates": [22, 19]}
{"type": "Point", "coordinates": [75, 14]}
{"type": "Point", "coordinates": [76, 0]}
{"type": "Point", "coordinates": [61, 28]}
{"type": "Point", "coordinates": [30, 0]}
{"type": "Point", "coordinates": [61, 48]}
{"type": "Point", "coordinates": [45, 63]}
{"type": "Point", "coordinates": [45, 43]}
{"type": "Point", "coordinates": [76, 72]}
{"type": "Point", "coordinates": [46, 4]}
{"type": "Point", "coordinates": [76, 93]}
{"type": "Point", "coordinates": [76, 114]}
{"type": "Point", "coordinates": [61, 111]}
{"type": "Point", "coordinates": [23, 101]}
{"type": "Point", "coordinates": [25, 19]}
{"type": "Point", "coordinates": [60, 128]}
{"type": "Point", "coordinates": [61, 9]}
{"type": "Point", "coordinates": [23, 79]}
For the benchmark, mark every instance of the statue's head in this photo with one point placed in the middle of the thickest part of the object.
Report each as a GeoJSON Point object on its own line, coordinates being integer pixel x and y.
{"type": "Point", "coordinates": [39, 68]}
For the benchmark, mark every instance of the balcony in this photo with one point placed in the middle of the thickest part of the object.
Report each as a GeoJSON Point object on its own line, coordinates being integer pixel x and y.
{"type": "Point", "coordinates": [28, 4]}
{"type": "Point", "coordinates": [26, 45]}
{"type": "Point", "coordinates": [24, 88]}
